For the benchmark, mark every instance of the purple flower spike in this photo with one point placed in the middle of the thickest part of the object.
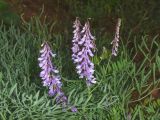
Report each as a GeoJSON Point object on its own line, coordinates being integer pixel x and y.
{"type": "Point", "coordinates": [84, 66]}
{"type": "Point", "coordinates": [49, 75]}
{"type": "Point", "coordinates": [115, 41]}
{"type": "Point", "coordinates": [77, 36]}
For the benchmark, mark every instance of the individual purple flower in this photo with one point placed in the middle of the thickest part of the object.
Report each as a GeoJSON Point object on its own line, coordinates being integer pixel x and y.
{"type": "Point", "coordinates": [115, 41]}
{"type": "Point", "coordinates": [84, 66]}
{"type": "Point", "coordinates": [74, 109]}
{"type": "Point", "coordinates": [77, 36]}
{"type": "Point", "coordinates": [49, 74]}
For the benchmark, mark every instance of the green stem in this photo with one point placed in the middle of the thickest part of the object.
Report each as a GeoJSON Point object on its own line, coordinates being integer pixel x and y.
{"type": "Point", "coordinates": [101, 79]}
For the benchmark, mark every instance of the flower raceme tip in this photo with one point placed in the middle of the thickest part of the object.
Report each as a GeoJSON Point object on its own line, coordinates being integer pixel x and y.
{"type": "Point", "coordinates": [115, 41]}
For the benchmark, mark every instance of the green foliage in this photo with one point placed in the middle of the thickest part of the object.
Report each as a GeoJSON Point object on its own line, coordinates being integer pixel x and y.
{"type": "Point", "coordinates": [3, 5]}
{"type": "Point", "coordinates": [23, 97]}
{"type": "Point", "coordinates": [7, 15]}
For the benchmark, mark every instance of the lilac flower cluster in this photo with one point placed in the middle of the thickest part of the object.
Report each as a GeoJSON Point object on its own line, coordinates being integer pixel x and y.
{"type": "Point", "coordinates": [76, 38]}
{"type": "Point", "coordinates": [83, 46]}
{"type": "Point", "coordinates": [49, 75]}
{"type": "Point", "coordinates": [116, 39]}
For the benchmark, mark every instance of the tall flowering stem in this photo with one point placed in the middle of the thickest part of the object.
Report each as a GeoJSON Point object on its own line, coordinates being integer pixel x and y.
{"type": "Point", "coordinates": [76, 38]}
{"type": "Point", "coordinates": [115, 41]}
{"type": "Point", "coordinates": [50, 76]}
{"type": "Point", "coordinates": [86, 46]}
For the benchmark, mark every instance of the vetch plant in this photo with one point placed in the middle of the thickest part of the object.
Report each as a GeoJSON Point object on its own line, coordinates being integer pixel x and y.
{"type": "Point", "coordinates": [115, 41]}
{"type": "Point", "coordinates": [50, 76]}
{"type": "Point", "coordinates": [83, 52]}
{"type": "Point", "coordinates": [76, 38]}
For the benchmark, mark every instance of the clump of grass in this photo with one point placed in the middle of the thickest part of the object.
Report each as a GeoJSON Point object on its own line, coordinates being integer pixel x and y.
{"type": "Point", "coordinates": [23, 97]}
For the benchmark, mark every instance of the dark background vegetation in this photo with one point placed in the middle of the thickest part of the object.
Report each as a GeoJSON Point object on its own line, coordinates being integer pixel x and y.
{"type": "Point", "coordinates": [140, 16]}
{"type": "Point", "coordinates": [139, 35]}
